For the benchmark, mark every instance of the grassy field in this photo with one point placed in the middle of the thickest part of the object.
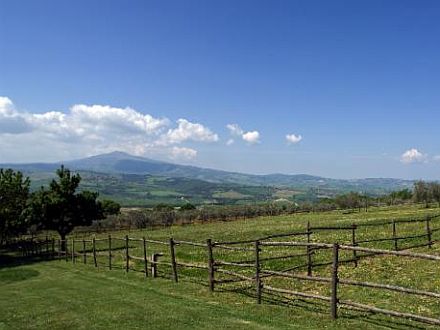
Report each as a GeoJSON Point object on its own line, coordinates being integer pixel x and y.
{"type": "Point", "coordinates": [56, 294]}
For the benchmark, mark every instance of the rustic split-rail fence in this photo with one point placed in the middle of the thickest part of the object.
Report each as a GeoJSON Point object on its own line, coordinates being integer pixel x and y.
{"type": "Point", "coordinates": [262, 260]}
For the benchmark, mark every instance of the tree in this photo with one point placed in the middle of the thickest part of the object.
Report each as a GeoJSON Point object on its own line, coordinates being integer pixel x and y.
{"type": "Point", "coordinates": [434, 188]}
{"type": "Point", "coordinates": [61, 208]}
{"type": "Point", "coordinates": [187, 207]}
{"type": "Point", "coordinates": [110, 207]}
{"type": "Point", "coordinates": [348, 201]}
{"type": "Point", "coordinates": [14, 192]}
{"type": "Point", "coordinates": [421, 193]}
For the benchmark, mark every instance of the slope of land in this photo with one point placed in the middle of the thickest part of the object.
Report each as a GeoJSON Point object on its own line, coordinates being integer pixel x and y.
{"type": "Point", "coordinates": [57, 294]}
{"type": "Point", "coordinates": [141, 181]}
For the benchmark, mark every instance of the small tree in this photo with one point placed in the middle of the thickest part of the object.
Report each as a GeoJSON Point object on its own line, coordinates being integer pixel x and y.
{"type": "Point", "coordinates": [14, 192]}
{"type": "Point", "coordinates": [61, 208]}
{"type": "Point", "coordinates": [434, 188]}
{"type": "Point", "coordinates": [421, 193]}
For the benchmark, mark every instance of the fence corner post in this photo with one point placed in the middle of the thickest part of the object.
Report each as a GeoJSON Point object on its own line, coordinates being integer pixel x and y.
{"type": "Point", "coordinates": [334, 282]}
{"type": "Point", "coordinates": [257, 271]}
{"type": "Point", "coordinates": [309, 251]}
{"type": "Point", "coordinates": [173, 260]}
{"type": "Point", "coordinates": [94, 251]}
{"type": "Point", "coordinates": [428, 231]}
{"type": "Point", "coordinates": [145, 256]}
{"type": "Point", "coordinates": [211, 269]}
{"type": "Point", "coordinates": [110, 252]}
{"type": "Point", "coordinates": [354, 243]}
{"type": "Point", "coordinates": [127, 255]}
{"type": "Point", "coordinates": [396, 247]}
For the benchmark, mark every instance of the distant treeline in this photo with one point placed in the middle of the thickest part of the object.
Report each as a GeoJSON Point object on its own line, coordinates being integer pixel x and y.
{"type": "Point", "coordinates": [167, 215]}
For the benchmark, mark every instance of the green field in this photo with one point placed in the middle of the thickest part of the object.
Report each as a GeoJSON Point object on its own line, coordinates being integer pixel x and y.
{"type": "Point", "coordinates": [58, 294]}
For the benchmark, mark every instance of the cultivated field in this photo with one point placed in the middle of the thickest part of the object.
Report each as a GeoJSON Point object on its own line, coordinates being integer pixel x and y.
{"type": "Point", "coordinates": [62, 294]}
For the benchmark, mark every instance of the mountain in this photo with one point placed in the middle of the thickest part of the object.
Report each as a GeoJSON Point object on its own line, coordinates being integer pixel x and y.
{"type": "Point", "coordinates": [132, 178]}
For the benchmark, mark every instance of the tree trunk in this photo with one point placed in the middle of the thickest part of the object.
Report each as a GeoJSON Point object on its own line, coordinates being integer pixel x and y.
{"type": "Point", "coordinates": [63, 242]}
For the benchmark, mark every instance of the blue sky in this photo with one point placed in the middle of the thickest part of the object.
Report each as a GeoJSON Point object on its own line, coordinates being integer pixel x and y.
{"type": "Point", "coordinates": [358, 81]}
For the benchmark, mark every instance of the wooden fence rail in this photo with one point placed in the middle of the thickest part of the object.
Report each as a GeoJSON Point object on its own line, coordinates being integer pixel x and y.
{"type": "Point", "coordinates": [257, 269]}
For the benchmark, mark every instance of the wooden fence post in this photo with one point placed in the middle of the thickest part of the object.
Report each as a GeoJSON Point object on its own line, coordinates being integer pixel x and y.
{"type": "Point", "coordinates": [211, 269]}
{"type": "Point", "coordinates": [47, 245]}
{"type": "Point", "coordinates": [334, 283]}
{"type": "Point", "coordinates": [353, 243]}
{"type": "Point", "coordinates": [66, 252]}
{"type": "Point", "coordinates": [154, 257]}
{"type": "Point", "coordinates": [309, 251]}
{"type": "Point", "coordinates": [53, 248]}
{"type": "Point", "coordinates": [257, 271]}
{"type": "Point", "coordinates": [428, 231]}
{"type": "Point", "coordinates": [109, 252]}
{"type": "Point", "coordinates": [94, 252]}
{"type": "Point", "coordinates": [84, 252]}
{"type": "Point", "coordinates": [173, 260]}
{"type": "Point", "coordinates": [73, 250]}
{"type": "Point", "coordinates": [59, 249]}
{"type": "Point", "coordinates": [145, 257]}
{"type": "Point", "coordinates": [127, 256]}
{"type": "Point", "coordinates": [396, 247]}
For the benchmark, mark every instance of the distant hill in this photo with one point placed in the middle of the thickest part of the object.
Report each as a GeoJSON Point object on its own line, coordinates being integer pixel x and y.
{"type": "Point", "coordinates": [132, 178]}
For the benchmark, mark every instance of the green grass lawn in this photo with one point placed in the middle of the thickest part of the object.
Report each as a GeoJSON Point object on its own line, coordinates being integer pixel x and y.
{"type": "Point", "coordinates": [58, 294]}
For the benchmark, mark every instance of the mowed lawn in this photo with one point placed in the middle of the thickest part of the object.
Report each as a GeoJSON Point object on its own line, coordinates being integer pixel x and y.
{"type": "Point", "coordinates": [61, 295]}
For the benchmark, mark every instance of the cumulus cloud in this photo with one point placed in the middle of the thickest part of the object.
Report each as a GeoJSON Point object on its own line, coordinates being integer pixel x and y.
{"type": "Point", "coordinates": [293, 139]}
{"type": "Point", "coordinates": [92, 129]}
{"type": "Point", "coordinates": [234, 129]}
{"type": "Point", "coordinates": [182, 153]}
{"type": "Point", "coordinates": [251, 137]}
{"type": "Point", "coordinates": [413, 156]}
{"type": "Point", "coordinates": [187, 131]}
{"type": "Point", "coordinates": [11, 121]}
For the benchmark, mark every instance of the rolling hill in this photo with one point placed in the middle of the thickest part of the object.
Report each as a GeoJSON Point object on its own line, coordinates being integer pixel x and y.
{"type": "Point", "coordinates": [136, 180]}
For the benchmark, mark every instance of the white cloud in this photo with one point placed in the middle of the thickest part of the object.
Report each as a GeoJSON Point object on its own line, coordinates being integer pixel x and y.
{"type": "Point", "coordinates": [230, 142]}
{"type": "Point", "coordinates": [182, 153]}
{"type": "Point", "coordinates": [437, 158]}
{"type": "Point", "coordinates": [413, 156]}
{"type": "Point", "coordinates": [251, 137]}
{"type": "Point", "coordinates": [234, 129]}
{"type": "Point", "coordinates": [187, 131]}
{"type": "Point", "coordinates": [293, 139]}
{"type": "Point", "coordinates": [11, 122]}
{"type": "Point", "coordinates": [91, 129]}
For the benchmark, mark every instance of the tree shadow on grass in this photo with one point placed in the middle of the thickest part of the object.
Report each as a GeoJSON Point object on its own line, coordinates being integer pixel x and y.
{"type": "Point", "coordinates": [323, 309]}
{"type": "Point", "coordinates": [8, 276]}
{"type": "Point", "coordinates": [10, 260]}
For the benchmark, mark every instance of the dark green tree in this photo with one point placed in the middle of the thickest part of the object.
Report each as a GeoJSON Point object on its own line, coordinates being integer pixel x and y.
{"type": "Point", "coordinates": [110, 207]}
{"type": "Point", "coordinates": [187, 207]}
{"type": "Point", "coordinates": [62, 208]}
{"type": "Point", "coordinates": [14, 193]}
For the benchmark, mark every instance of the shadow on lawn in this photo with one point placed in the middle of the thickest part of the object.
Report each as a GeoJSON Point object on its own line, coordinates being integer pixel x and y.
{"type": "Point", "coordinates": [9, 259]}
{"type": "Point", "coordinates": [8, 276]}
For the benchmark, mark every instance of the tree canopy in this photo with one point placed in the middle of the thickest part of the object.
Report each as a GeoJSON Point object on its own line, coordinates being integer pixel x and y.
{"type": "Point", "coordinates": [14, 193]}
{"type": "Point", "coordinates": [62, 208]}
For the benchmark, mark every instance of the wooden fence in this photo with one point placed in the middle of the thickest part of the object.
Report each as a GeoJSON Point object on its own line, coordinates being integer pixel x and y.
{"type": "Point", "coordinates": [219, 260]}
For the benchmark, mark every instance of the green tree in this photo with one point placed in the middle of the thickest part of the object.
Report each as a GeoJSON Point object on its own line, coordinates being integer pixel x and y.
{"type": "Point", "coordinates": [421, 193]}
{"type": "Point", "coordinates": [110, 207]}
{"type": "Point", "coordinates": [187, 207]}
{"type": "Point", "coordinates": [14, 193]}
{"type": "Point", "coordinates": [434, 188]}
{"type": "Point", "coordinates": [61, 208]}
